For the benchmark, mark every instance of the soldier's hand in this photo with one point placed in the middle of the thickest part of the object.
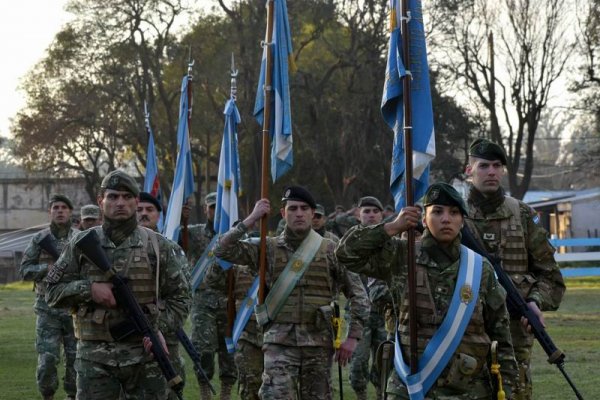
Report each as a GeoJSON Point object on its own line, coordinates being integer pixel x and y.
{"type": "Point", "coordinates": [102, 294]}
{"type": "Point", "coordinates": [344, 353]}
{"type": "Point", "coordinates": [409, 217]}
{"type": "Point", "coordinates": [262, 207]}
{"type": "Point", "coordinates": [536, 310]}
{"type": "Point", "coordinates": [148, 343]}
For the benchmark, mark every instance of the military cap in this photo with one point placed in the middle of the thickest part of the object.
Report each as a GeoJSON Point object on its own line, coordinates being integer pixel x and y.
{"type": "Point", "coordinates": [299, 193]}
{"type": "Point", "coordinates": [120, 180]}
{"type": "Point", "coordinates": [148, 198]}
{"type": "Point", "coordinates": [60, 197]}
{"type": "Point", "coordinates": [90, 211]}
{"type": "Point", "coordinates": [319, 209]}
{"type": "Point", "coordinates": [443, 194]}
{"type": "Point", "coordinates": [211, 199]}
{"type": "Point", "coordinates": [488, 150]}
{"type": "Point", "coordinates": [370, 201]}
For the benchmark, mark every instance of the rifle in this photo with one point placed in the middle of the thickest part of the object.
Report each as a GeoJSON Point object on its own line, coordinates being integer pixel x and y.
{"type": "Point", "coordinates": [89, 244]}
{"type": "Point", "coordinates": [517, 307]}
{"type": "Point", "coordinates": [195, 357]}
{"type": "Point", "coordinates": [336, 321]}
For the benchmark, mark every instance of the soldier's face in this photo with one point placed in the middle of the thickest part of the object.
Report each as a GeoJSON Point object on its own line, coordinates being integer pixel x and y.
{"type": "Point", "coordinates": [370, 215]}
{"type": "Point", "coordinates": [210, 211]}
{"type": "Point", "coordinates": [298, 215]}
{"type": "Point", "coordinates": [118, 205]}
{"type": "Point", "coordinates": [88, 223]}
{"type": "Point", "coordinates": [486, 174]}
{"type": "Point", "coordinates": [147, 215]}
{"type": "Point", "coordinates": [444, 222]}
{"type": "Point", "coordinates": [60, 213]}
{"type": "Point", "coordinates": [318, 221]}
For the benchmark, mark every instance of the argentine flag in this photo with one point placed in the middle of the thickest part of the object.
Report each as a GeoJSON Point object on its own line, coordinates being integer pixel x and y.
{"type": "Point", "coordinates": [423, 138]}
{"type": "Point", "coordinates": [281, 119]}
{"type": "Point", "coordinates": [151, 181]}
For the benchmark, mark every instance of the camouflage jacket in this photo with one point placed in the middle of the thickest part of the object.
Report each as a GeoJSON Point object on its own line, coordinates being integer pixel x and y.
{"type": "Point", "coordinates": [69, 287]}
{"type": "Point", "coordinates": [543, 282]}
{"type": "Point", "coordinates": [247, 253]}
{"type": "Point", "coordinates": [35, 262]}
{"type": "Point", "coordinates": [371, 251]}
{"type": "Point", "coordinates": [214, 281]}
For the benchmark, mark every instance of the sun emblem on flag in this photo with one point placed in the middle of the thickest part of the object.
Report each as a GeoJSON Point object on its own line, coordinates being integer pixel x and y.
{"type": "Point", "coordinates": [466, 294]}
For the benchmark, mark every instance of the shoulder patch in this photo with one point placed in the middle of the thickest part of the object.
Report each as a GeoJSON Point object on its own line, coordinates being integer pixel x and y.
{"type": "Point", "coordinates": [536, 219]}
{"type": "Point", "coordinates": [55, 273]}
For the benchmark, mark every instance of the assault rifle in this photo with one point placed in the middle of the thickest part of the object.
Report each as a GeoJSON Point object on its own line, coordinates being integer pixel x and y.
{"type": "Point", "coordinates": [195, 357]}
{"type": "Point", "coordinates": [89, 244]}
{"type": "Point", "coordinates": [517, 307]}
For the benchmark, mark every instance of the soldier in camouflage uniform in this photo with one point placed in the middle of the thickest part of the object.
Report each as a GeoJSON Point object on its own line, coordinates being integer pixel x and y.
{"type": "Point", "coordinates": [90, 217]}
{"type": "Point", "coordinates": [209, 308]}
{"type": "Point", "coordinates": [106, 367]}
{"type": "Point", "coordinates": [148, 215]}
{"type": "Point", "coordinates": [318, 224]}
{"type": "Point", "coordinates": [53, 327]}
{"type": "Point", "coordinates": [370, 213]}
{"type": "Point", "coordinates": [298, 341]}
{"type": "Point", "coordinates": [509, 230]}
{"type": "Point", "coordinates": [377, 252]}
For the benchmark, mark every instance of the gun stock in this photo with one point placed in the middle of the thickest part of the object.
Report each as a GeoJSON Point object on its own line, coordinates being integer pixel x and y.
{"type": "Point", "coordinates": [517, 307]}
{"type": "Point", "coordinates": [89, 244]}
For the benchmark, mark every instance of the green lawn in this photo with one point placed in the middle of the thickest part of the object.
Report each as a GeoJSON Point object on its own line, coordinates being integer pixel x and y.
{"type": "Point", "coordinates": [573, 328]}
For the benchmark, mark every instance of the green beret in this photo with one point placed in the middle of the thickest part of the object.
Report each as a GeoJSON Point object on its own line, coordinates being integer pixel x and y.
{"type": "Point", "coordinates": [370, 201]}
{"type": "Point", "coordinates": [211, 199]}
{"type": "Point", "coordinates": [320, 209]}
{"type": "Point", "coordinates": [119, 180]}
{"type": "Point", "coordinates": [90, 211]}
{"type": "Point", "coordinates": [299, 193]}
{"type": "Point", "coordinates": [488, 150]}
{"type": "Point", "coordinates": [60, 197]}
{"type": "Point", "coordinates": [443, 194]}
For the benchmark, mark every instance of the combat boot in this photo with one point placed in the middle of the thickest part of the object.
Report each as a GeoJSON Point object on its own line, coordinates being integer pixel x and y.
{"type": "Point", "coordinates": [226, 390]}
{"type": "Point", "coordinates": [361, 394]}
{"type": "Point", "coordinates": [205, 393]}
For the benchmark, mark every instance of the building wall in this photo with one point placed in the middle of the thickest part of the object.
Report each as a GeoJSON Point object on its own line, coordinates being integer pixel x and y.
{"type": "Point", "coordinates": [585, 218]}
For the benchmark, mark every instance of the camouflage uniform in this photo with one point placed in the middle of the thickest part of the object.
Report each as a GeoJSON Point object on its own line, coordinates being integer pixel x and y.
{"type": "Point", "coordinates": [511, 233]}
{"type": "Point", "coordinates": [328, 235]}
{"type": "Point", "coordinates": [53, 327]}
{"type": "Point", "coordinates": [248, 354]}
{"type": "Point", "coordinates": [209, 310]}
{"type": "Point", "coordinates": [106, 367]}
{"type": "Point", "coordinates": [298, 344]}
{"type": "Point", "coordinates": [371, 251]}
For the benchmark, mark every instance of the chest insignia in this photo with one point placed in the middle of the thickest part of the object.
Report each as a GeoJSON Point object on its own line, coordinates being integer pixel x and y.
{"type": "Point", "coordinates": [297, 265]}
{"type": "Point", "coordinates": [489, 236]}
{"type": "Point", "coordinates": [466, 294]}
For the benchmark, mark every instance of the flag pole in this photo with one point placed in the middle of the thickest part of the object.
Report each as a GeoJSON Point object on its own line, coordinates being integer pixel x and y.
{"type": "Point", "coordinates": [184, 220]}
{"type": "Point", "coordinates": [266, 144]}
{"type": "Point", "coordinates": [408, 176]}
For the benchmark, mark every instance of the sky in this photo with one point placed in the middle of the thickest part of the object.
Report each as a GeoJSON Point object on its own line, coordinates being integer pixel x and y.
{"type": "Point", "coordinates": [27, 27]}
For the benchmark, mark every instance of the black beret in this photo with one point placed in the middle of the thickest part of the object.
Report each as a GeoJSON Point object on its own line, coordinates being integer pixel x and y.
{"type": "Point", "coordinates": [443, 194]}
{"type": "Point", "coordinates": [488, 150]}
{"type": "Point", "coordinates": [370, 201]}
{"type": "Point", "coordinates": [299, 193]}
{"type": "Point", "coordinates": [60, 197]}
{"type": "Point", "coordinates": [148, 198]}
{"type": "Point", "coordinates": [120, 180]}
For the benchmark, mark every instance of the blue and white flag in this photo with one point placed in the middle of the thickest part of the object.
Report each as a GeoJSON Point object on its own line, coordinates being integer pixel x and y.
{"type": "Point", "coordinates": [183, 182]}
{"type": "Point", "coordinates": [423, 138]}
{"type": "Point", "coordinates": [151, 181]}
{"type": "Point", "coordinates": [281, 118]}
{"type": "Point", "coordinates": [228, 181]}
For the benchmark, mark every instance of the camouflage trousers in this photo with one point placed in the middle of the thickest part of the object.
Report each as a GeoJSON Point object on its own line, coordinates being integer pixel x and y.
{"type": "Point", "coordinates": [296, 373]}
{"type": "Point", "coordinates": [249, 361]}
{"type": "Point", "coordinates": [523, 346]}
{"type": "Point", "coordinates": [96, 381]}
{"type": "Point", "coordinates": [53, 329]}
{"type": "Point", "coordinates": [373, 334]}
{"type": "Point", "coordinates": [209, 322]}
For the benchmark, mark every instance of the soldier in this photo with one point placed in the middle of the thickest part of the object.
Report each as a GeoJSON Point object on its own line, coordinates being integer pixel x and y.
{"type": "Point", "coordinates": [209, 308]}
{"type": "Point", "coordinates": [370, 213]}
{"type": "Point", "coordinates": [106, 367]}
{"type": "Point", "coordinates": [90, 217]}
{"type": "Point", "coordinates": [318, 224]}
{"type": "Point", "coordinates": [52, 327]}
{"type": "Point", "coordinates": [298, 337]}
{"type": "Point", "coordinates": [148, 215]}
{"type": "Point", "coordinates": [509, 230]}
{"type": "Point", "coordinates": [459, 300]}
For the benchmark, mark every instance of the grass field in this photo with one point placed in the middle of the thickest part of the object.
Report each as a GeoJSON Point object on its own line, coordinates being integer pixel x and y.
{"type": "Point", "coordinates": [574, 329]}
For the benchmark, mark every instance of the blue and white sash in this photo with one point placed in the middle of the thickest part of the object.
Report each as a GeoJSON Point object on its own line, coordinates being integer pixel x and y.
{"type": "Point", "coordinates": [446, 339]}
{"type": "Point", "coordinates": [205, 260]}
{"type": "Point", "coordinates": [243, 316]}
